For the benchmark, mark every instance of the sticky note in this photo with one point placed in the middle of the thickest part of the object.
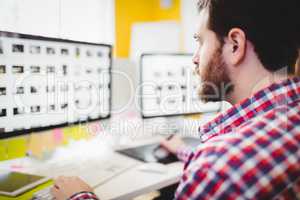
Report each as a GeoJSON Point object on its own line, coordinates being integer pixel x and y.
{"type": "Point", "coordinates": [94, 128]}
{"type": "Point", "coordinates": [35, 146]}
{"type": "Point", "coordinates": [194, 117]}
{"type": "Point", "coordinates": [48, 141]}
{"type": "Point", "coordinates": [58, 136]}
{"type": "Point", "coordinates": [77, 132]}
{"type": "Point", "coordinates": [40, 144]}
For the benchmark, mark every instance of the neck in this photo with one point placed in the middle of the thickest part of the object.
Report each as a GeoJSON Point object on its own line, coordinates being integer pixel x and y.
{"type": "Point", "coordinates": [248, 85]}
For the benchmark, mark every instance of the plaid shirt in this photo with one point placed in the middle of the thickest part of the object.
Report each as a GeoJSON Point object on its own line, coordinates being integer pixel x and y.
{"type": "Point", "coordinates": [251, 151]}
{"type": "Point", "coordinates": [84, 196]}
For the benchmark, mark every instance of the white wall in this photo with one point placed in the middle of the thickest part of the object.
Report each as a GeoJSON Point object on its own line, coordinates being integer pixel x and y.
{"type": "Point", "coordinates": [154, 37]}
{"type": "Point", "coordinates": [84, 20]}
{"type": "Point", "coordinates": [189, 24]}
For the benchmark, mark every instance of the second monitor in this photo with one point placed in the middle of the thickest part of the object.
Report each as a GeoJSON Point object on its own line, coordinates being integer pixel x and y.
{"type": "Point", "coordinates": [169, 86]}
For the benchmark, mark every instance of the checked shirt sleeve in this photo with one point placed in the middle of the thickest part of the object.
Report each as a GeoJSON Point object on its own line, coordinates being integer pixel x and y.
{"type": "Point", "coordinates": [184, 153]}
{"type": "Point", "coordinates": [84, 196]}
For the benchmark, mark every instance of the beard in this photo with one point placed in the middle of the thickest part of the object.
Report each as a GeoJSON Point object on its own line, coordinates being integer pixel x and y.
{"type": "Point", "coordinates": [215, 81]}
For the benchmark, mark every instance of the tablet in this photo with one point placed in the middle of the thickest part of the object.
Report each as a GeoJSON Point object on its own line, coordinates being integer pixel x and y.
{"type": "Point", "coordinates": [155, 153]}
{"type": "Point", "coordinates": [15, 183]}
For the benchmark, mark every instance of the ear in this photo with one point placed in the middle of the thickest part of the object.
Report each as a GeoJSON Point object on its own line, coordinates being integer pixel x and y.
{"type": "Point", "coordinates": [237, 45]}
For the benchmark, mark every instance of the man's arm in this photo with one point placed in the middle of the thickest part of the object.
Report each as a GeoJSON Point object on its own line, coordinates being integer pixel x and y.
{"type": "Point", "coordinates": [183, 153]}
{"type": "Point", "coordinates": [72, 188]}
{"type": "Point", "coordinates": [194, 184]}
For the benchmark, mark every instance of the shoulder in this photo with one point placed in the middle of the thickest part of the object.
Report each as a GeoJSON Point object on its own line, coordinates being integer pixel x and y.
{"type": "Point", "coordinates": [284, 118]}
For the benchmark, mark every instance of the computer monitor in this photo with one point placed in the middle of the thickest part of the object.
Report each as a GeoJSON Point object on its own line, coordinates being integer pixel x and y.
{"type": "Point", "coordinates": [47, 83]}
{"type": "Point", "coordinates": [168, 86]}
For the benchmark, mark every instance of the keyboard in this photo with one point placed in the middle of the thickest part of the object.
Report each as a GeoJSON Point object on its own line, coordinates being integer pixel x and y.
{"type": "Point", "coordinates": [44, 194]}
{"type": "Point", "coordinates": [95, 173]}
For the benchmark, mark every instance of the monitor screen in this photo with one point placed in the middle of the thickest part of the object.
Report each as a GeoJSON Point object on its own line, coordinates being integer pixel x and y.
{"type": "Point", "coordinates": [169, 86]}
{"type": "Point", "coordinates": [47, 83]}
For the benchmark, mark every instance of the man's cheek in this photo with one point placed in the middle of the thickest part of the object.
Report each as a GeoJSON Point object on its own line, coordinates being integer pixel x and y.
{"type": "Point", "coordinates": [197, 70]}
{"type": "Point", "coordinates": [201, 71]}
{"type": "Point", "coordinates": [202, 64]}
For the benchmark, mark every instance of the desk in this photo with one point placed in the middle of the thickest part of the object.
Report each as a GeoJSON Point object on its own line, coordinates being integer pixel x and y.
{"type": "Point", "coordinates": [126, 187]}
{"type": "Point", "coordinates": [129, 184]}
{"type": "Point", "coordinates": [135, 182]}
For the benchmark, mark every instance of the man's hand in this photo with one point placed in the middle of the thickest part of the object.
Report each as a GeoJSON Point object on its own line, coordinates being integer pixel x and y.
{"type": "Point", "coordinates": [65, 187]}
{"type": "Point", "coordinates": [173, 144]}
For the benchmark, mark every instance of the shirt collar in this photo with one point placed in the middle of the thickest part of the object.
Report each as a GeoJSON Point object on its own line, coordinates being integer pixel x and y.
{"type": "Point", "coordinates": [264, 100]}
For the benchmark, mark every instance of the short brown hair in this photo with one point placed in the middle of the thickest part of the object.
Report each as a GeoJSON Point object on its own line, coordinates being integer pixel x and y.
{"type": "Point", "coordinates": [272, 26]}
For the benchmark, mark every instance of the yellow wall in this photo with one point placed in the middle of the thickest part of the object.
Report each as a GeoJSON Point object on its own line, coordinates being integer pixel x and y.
{"type": "Point", "coordinates": [172, 13]}
{"type": "Point", "coordinates": [132, 11]}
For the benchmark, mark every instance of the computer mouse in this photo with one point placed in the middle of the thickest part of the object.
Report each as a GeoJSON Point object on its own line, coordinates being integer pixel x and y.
{"type": "Point", "coordinates": [153, 168]}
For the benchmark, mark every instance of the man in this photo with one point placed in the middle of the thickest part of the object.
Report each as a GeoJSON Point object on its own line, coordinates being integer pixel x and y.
{"type": "Point", "coordinates": [252, 151]}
